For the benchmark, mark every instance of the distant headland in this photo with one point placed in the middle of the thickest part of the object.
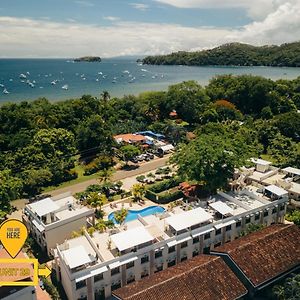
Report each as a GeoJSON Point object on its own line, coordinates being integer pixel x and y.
{"type": "Point", "coordinates": [234, 54]}
{"type": "Point", "coordinates": [88, 59]}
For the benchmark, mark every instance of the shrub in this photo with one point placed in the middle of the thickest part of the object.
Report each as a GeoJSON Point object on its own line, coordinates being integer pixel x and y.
{"type": "Point", "coordinates": [51, 289]}
{"type": "Point", "coordinates": [140, 178]}
{"type": "Point", "coordinates": [169, 196]}
{"type": "Point", "coordinates": [164, 185]}
{"type": "Point", "coordinates": [99, 163]}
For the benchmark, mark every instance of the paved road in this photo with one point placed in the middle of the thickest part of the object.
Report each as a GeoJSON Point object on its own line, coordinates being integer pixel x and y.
{"type": "Point", "coordinates": [119, 175]}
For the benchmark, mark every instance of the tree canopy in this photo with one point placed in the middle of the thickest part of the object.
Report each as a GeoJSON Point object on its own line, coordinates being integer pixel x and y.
{"type": "Point", "coordinates": [233, 54]}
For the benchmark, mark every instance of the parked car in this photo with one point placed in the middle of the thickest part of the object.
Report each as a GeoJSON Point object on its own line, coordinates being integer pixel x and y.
{"type": "Point", "coordinates": [150, 155]}
{"type": "Point", "coordinates": [134, 160]}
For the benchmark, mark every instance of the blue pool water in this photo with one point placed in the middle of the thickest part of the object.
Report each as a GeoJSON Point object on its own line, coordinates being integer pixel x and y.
{"type": "Point", "coordinates": [133, 214]}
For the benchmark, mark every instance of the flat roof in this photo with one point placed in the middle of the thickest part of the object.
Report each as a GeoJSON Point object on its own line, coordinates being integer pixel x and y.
{"type": "Point", "coordinates": [76, 256]}
{"type": "Point", "coordinates": [188, 218]}
{"type": "Point", "coordinates": [43, 207]}
{"type": "Point", "coordinates": [291, 170]}
{"type": "Point", "coordinates": [276, 190]}
{"type": "Point", "coordinates": [130, 238]}
{"type": "Point", "coordinates": [167, 147]}
{"type": "Point", "coordinates": [221, 207]}
{"type": "Point", "coordinates": [38, 226]}
{"type": "Point", "coordinates": [261, 161]}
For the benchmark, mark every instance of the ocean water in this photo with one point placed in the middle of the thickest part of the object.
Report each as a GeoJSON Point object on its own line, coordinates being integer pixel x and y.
{"type": "Point", "coordinates": [118, 76]}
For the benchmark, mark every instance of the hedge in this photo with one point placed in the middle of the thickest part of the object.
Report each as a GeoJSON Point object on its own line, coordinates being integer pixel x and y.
{"type": "Point", "coordinates": [164, 197]}
{"type": "Point", "coordinates": [164, 185]}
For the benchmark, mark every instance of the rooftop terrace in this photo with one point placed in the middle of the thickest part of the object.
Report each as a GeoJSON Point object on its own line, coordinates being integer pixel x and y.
{"type": "Point", "coordinates": [169, 227]}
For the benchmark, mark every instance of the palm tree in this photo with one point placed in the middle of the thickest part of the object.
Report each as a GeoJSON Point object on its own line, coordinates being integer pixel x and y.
{"type": "Point", "coordinates": [97, 201]}
{"type": "Point", "coordinates": [121, 215]}
{"type": "Point", "coordinates": [105, 175]}
{"type": "Point", "coordinates": [105, 96]}
{"type": "Point", "coordinates": [101, 226]}
{"type": "Point", "coordinates": [138, 191]}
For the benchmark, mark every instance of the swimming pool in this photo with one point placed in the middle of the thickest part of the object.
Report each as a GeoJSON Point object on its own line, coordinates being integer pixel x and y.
{"type": "Point", "coordinates": [133, 214]}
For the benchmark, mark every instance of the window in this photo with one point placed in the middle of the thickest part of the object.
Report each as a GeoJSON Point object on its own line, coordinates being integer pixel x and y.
{"type": "Point", "coordinates": [218, 231]}
{"type": "Point", "coordinates": [144, 259]}
{"type": "Point", "coordinates": [158, 254]}
{"type": "Point", "coordinates": [115, 271]}
{"type": "Point", "coordinates": [217, 244]}
{"type": "Point", "coordinates": [207, 236]}
{"type": "Point", "coordinates": [281, 207]}
{"type": "Point", "coordinates": [228, 228]}
{"type": "Point", "coordinates": [144, 274]}
{"type": "Point", "coordinates": [184, 258]}
{"type": "Point", "coordinates": [248, 220]}
{"type": "Point", "coordinates": [238, 224]}
{"type": "Point", "coordinates": [171, 249]}
{"type": "Point", "coordinates": [98, 277]}
{"type": "Point", "coordinates": [171, 263]}
{"type": "Point", "coordinates": [80, 284]}
{"type": "Point", "coordinates": [206, 250]}
{"type": "Point", "coordinates": [266, 213]}
{"type": "Point", "coordinates": [116, 285]}
{"type": "Point", "coordinates": [183, 245]}
{"type": "Point", "coordinates": [257, 216]}
{"type": "Point", "coordinates": [100, 295]}
{"type": "Point", "coordinates": [196, 240]}
{"type": "Point", "coordinates": [158, 269]}
{"type": "Point", "coordinates": [130, 279]}
{"type": "Point", "coordinates": [195, 252]}
{"type": "Point", "coordinates": [130, 265]}
{"type": "Point", "coordinates": [274, 211]}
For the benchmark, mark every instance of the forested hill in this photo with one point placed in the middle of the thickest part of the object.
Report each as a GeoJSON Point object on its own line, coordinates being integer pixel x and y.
{"type": "Point", "coordinates": [236, 54]}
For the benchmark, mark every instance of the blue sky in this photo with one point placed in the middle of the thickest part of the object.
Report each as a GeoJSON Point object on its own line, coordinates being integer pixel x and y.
{"type": "Point", "coordinates": [67, 28]}
{"type": "Point", "coordinates": [94, 12]}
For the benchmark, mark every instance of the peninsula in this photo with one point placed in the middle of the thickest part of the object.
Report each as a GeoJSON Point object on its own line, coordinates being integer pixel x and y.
{"type": "Point", "coordinates": [88, 59]}
{"type": "Point", "coordinates": [233, 54]}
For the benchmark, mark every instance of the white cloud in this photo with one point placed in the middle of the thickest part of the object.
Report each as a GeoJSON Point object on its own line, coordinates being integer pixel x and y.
{"type": "Point", "coordinates": [280, 26]}
{"type": "Point", "coordinates": [84, 3]}
{"type": "Point", "coordinates": [257, 9]}
{"type": "Point", "coordinates": [111, 18]}
{"type": "Point", "coordinates": [21, 37]}
{"type": "Point", "coordinates": [140, 6]}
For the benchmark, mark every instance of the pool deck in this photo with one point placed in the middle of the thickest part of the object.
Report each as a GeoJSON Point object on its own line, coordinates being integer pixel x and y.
{"type": "Point", "coordinates": [125, 203]}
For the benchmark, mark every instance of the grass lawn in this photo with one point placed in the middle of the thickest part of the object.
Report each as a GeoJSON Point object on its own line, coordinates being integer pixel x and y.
{"type": "Point", "coordinates": [81, 178]}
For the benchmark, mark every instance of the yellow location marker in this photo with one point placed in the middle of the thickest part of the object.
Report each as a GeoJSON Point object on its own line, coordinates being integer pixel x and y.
{"type": "Point", "coordinates": [13, 234]}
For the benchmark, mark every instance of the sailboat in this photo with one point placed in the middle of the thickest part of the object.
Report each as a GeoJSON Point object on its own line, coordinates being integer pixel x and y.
{"type": "Point", "coordinates": [65, 87]}
{"type": "Point", "coordinates": [5, 91]}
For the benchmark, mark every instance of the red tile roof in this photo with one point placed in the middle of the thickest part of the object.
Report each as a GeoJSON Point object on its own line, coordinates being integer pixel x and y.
{"type": "Point", "coordinates": [203, 277]}
{"type": "Point", "coordinates": [267, 253]}
{"type": "Point", "coordinates": [129, 137]}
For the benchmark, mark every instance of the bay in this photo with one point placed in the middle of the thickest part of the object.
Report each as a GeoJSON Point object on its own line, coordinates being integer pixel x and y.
{"type": "Point", "coordinates": [119, 76]}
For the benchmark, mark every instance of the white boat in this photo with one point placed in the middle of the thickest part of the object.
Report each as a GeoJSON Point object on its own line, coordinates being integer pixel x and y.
{"type": "Point", "coordinates": [54, 82]}
{"type": "Point", "coordinates": [97, 79]}
{"type": "Point", "coordinates": [100, 73]}
{"type": "Point", "coordinates": [27, 73]}
{"type": "Point", "coordinates": [11, 80]}
{"type": "Point", "coordinates": [31, 84]}
{"type": "Point", "coordinates": [65, 87]}
{"type": "Point", "coordinates": [1, 85]}
{"type": "Point", "coordinates": [23, 76]}
{"type": "Point", "coordinates": [126, 72]}
{"type": "Point", "coordinates": [144, 70]}
{"type": "Point", "coordinates": [5, 91]}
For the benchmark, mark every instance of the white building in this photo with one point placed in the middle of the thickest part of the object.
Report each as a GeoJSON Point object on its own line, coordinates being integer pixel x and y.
{"type": "Point", "coordinates": [52, 220]}
{"type": "Point", "coordinates": [90, 267]}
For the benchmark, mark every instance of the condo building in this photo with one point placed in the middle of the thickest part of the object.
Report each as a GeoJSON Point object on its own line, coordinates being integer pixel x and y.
{"type": "Point", "coordinates": [52, 220]}
{"type": "Point", "coordinates": [93, 266]}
